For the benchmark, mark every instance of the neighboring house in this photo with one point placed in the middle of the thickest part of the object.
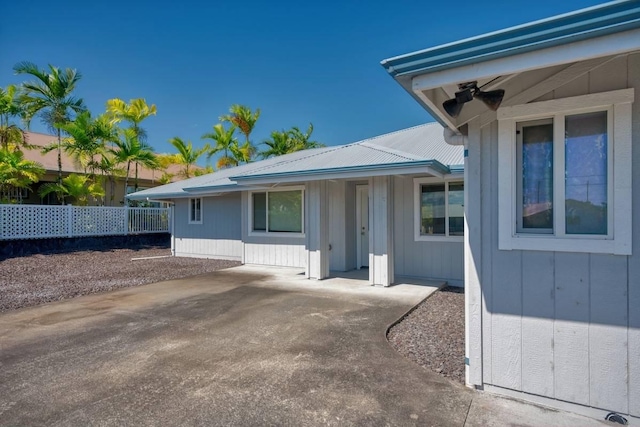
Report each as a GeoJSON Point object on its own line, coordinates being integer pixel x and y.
{"type": "Point", "coordinates": [146, 178]}
{"type": "Point", "coordinates": [393, 203]}
{"type": "Point", "coordinates": [552, 253]}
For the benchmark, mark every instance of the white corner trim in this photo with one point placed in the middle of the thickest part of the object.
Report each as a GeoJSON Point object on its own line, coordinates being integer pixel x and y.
{"type": "Point", "coordinates": [506, 183]}
{"type": "Point", "coordinates": [622, 179]}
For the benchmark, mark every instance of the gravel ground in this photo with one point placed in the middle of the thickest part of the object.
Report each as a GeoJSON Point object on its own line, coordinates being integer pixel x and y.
{"type": "Point", "coordinates": [37, 279]}
{"type": "Point", "coordinates": [432, 335]}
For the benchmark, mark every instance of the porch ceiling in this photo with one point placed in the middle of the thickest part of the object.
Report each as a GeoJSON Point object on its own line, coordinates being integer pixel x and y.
{"type": "Point", "coordinates": [520, 88]}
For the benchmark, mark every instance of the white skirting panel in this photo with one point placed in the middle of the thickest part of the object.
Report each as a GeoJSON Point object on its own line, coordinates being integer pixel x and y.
{"type": "Point", "coordinates": [209, 248]}
{"type": "Point", "coordinates": [275, 254]}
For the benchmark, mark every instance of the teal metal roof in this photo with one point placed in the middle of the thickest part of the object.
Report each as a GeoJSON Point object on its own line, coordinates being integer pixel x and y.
{"type": "Point", "coordinates": [419, 147]}
{"type": "Point", "coordinates": [583, 24]}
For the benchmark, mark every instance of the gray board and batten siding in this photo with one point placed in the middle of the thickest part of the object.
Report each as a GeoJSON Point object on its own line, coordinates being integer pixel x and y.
{"type": "Point", "coordinates": [554, 323]}
{"type": "Point", "coordinates": [219, 235]}
{"type": "Point", "coordinates": [439, 260]}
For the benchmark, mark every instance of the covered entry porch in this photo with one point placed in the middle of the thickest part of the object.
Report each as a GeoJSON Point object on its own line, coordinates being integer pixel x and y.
{"type": "Point", "coordinates": [374, 229]}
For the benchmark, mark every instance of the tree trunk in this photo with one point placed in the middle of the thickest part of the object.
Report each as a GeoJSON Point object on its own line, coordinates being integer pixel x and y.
{"type": "Point", "coordinates": [126, 183]}
{"type": "Point", "coordinates": [60, 196]}
{"type": "Point", "coordinates": [112, 189]}
{"type": "Point", "coordinates": [135, 185]}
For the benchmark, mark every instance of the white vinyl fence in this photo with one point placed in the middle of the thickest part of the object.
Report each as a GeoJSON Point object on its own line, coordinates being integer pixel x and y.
{"type": "Point", "coordinates": [40, 221]}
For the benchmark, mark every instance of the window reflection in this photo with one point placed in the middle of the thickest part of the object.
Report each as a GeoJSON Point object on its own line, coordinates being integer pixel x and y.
{"type": "Point", "coordinates": [432, 210]}
{"type": "Point", "coordinates": [586, 173]}
{"type": "Point", "coordinates": [537, 176]}
{"type": "Point", "coordinates": [456, 209]}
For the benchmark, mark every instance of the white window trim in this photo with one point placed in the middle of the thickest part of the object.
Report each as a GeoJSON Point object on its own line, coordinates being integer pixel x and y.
{"type": "Point", "coordinates": [618, 242]}
{"type": "Point", "coordinates": [267, 233]}
{"type": "Point", "coordinates": [201, 210]}
{"type": "Point", "coordinates": [417, 183]}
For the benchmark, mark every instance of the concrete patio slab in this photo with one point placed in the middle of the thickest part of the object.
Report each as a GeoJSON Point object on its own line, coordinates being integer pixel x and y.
{"type": "Point", "coordinates": [353, 283]}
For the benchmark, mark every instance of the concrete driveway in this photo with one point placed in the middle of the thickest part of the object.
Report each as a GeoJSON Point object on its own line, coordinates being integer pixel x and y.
{"type": "Point", "coordinates": [241, 346]}
{"type": "Point", "coordinates": [235, 347]}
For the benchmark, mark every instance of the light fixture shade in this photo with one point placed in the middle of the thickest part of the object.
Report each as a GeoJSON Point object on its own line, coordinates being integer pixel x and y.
{"type": "Point", "coordinates": [492, 99]}
{"type": "Point", "coordinates": [452, 107]}
{"type": "Point", "coordinates": [464, 96]}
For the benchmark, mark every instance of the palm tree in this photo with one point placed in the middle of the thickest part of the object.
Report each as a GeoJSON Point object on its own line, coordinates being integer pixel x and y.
{"type": "Point", "coordinates": [166, 178]}
{"type": "Point", "coordinates": [244, 119]}
{"type": "Point", "coordinates": [78, 187]}
{"type": "Point", "coordinates": [242, 153]}
{"type": "Point", "coordinates": [186, 155]}
{"type": "Point", "coordinates": [224, 139]}
{"type": "Point", "coordinates": [207, 170]}
{"type": "Point", "coordinates": [10, 134]}
{"type": "Point", "coordinates": [302, 141]}
{"type": "Point", "coordinates": [278, 144]}
{"type": "Point", "coordinates": [285, 142]}
{"type": "Point", "coordinates": [129, 149]}
{"type": "Point", "coordinates": [109, 170]}
{"type": "Point", "coordinates": [133, 113]}
{"type": "Point", "coordinates": [16, 172]}
{"type": "Point", "coordinates": [50, 97]}
{"type": "Point", "coordinates": [87, 139]}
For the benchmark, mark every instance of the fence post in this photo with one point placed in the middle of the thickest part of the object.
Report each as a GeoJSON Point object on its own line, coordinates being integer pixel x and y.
{"type": "Point", "coordinates": [126, 219]}
{"type": "Point", "coordinates": [70, 220]}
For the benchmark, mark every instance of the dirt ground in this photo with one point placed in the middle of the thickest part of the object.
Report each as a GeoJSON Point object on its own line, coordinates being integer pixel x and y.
{"type": "Point", "coordinates": [432, 335]}
{"type": "Point", "coordinates": [36, 279]}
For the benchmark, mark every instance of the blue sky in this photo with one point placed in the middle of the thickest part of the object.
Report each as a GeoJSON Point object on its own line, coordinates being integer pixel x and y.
{"type": "Point", "coordinates": [298, 61]}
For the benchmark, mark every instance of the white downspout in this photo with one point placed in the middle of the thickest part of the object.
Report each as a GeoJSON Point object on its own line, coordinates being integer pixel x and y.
{"type": "Point", "coordinates": [454, 138]}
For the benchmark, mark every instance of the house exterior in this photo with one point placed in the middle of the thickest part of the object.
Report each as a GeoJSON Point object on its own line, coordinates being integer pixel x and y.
{"type": "Point", "coordinates": [552, 236]}
{"type": "Point", "coordinates": [147, 178]}
{"type": "Point", "coordinates": [393, 203]}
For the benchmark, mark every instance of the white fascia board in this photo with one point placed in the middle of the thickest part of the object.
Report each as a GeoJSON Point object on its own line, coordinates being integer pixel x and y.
{"type": "Point", "coordinates": [156, 196]}
{"type": "Point", "coordinates": [613, 44]}
{"type": "Point", "coordinates": [343, 175]}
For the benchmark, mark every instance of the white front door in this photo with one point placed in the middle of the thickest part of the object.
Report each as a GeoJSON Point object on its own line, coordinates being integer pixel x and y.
{"type": "Point", "coordinates": [362, 222]}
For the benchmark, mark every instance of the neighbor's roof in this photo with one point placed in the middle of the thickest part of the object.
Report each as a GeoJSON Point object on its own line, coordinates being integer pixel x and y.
{"type": "Point", "coordinates": [421, 147]}
{"type": "Point", "coordinates": [50, 160]}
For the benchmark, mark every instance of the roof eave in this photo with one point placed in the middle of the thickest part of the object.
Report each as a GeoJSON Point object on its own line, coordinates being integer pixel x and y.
{"type": "Point", "coordinates": [601, 20]}
{"type": "Point", "coordinates": [150, 196]}
{"type": "Point", "coordinates": [214, 188]}
{"type": "Point", "coordinates": [430, 166]}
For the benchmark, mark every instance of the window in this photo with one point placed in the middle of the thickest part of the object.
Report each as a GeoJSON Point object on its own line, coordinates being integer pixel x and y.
{"type": "Point", "coordinates": [277, 211]}
{"type": "Point", "coordinates": [132, 189]}
{"type": "Point", "coordinates": [439, 208]}
{"type": "Point", "coordinates": [557, 184]}
{"type": "Point", "coordinates": [195, 211]}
